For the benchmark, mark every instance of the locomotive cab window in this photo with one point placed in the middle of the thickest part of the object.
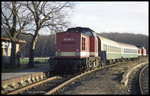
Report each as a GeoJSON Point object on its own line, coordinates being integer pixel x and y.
{"type": "Point", "coordinates": [83, 43]}
{"type": "Point", "coordinates": [87, 32]}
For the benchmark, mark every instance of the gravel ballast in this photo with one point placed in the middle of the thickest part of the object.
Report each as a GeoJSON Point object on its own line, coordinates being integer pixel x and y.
{"type": "Point", "coordinates": [106, 82]}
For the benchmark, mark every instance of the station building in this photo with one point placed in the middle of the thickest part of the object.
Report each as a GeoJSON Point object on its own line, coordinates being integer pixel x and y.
{"type": "Point", "coordinates": [6, 50]}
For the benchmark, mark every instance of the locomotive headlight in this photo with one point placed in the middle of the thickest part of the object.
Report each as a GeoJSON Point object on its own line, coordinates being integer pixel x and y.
{"type": "Point", "coordinates": [58, 53]}
{"type": "Point", "coordinates": [77, 53]}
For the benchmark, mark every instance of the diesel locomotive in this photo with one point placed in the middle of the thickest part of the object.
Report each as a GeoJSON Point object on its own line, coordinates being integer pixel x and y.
{"type": "Point", "coordinates": [79, 49]}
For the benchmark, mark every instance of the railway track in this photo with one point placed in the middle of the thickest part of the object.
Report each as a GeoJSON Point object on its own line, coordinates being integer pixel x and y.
{"type": "Point", "coordinates": [52, 85]}
{"type": "Point", "coordinates": [143, 80]}
{"type": "Point", "coordinates": [41, 87]}
{"type": "Point", "coordinates": [31, 86]}
{"type": "Point", "coordinates": [51, 92]}
{"type": "Point", "coordinates": [74, 78]}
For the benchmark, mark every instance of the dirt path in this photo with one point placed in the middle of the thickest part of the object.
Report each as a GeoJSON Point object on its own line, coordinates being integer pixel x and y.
{"type": "Point", "coordinates": [24, 72]}
{"type": "Point", "coordinates": [102, 82]}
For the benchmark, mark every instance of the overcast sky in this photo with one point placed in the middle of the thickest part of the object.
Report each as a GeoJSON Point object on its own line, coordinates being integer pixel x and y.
{"type": "Point", "coordinates": [131, 17]}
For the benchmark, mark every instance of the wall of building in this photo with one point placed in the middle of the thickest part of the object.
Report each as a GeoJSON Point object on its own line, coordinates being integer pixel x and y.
{"type": "Point", "coordinates": [6, 52]}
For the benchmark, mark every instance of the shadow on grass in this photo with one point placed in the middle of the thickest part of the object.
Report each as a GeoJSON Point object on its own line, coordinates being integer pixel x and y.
{"type": "Point", "coordinates": [118, 77]}
{"type": "Point", "coordinates": [25, 68]}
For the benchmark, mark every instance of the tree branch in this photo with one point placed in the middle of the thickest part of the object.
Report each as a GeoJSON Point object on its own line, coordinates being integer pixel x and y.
{"type": "Point", "coordinates": [27, 34]}
{"type": "Point", "coordinates": [7, 23]}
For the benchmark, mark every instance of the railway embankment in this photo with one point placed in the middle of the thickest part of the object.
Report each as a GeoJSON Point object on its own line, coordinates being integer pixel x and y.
{"type": "Point", "coordinates": [126, 75]}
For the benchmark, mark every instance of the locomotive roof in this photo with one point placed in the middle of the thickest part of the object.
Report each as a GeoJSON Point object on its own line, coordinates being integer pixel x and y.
{"type": "Point", "coordinates": [79, 28]}
{"type": "Point", "coordinates": [84, 30]}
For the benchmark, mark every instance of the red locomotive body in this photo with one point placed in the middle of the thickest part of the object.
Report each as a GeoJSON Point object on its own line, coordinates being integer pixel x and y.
{"type": "Point", "coordinates": [72, 45]}
{"type": "Point", "coordinates": [76, 49]}
{"type": "Point", "coordinates": [76, 44]}
{"type": "Point", "coordinates": [141, 51]}
{"type": "Point", "coordinates": [93, 46]}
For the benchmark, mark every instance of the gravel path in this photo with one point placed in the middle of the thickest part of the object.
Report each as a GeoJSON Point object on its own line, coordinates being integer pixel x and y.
{"type": "Point", "coordinates": [24, 72]}
{"type": "Point", "coordinates": [102, 82]}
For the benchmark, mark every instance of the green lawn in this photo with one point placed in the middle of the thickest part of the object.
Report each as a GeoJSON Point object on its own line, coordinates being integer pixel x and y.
{"type": "Point", "coordinates": [38, 62]}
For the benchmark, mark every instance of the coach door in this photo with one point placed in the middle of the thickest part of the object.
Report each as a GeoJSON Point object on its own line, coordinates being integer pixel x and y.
{"type": "Point", "coordinates": [99, 46]}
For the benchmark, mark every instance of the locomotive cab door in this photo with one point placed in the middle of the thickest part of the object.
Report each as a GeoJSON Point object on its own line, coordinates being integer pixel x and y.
{"type": "Point", "coordinates": [99, 46]}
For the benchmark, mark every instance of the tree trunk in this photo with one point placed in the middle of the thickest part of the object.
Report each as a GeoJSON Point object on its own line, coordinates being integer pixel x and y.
{"type": "Point", "coordinates": [31, 51]}
{"type": "Point", "coordinates": [18, 59]}
{"type": "Point", "coordinates": [42, 51]}
{"type": "Point", "coordinates": [13, 57]}
{"type": "Point", "coordinates": [31, 59]}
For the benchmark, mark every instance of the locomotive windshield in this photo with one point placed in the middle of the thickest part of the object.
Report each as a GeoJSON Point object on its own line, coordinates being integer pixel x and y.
{"type": "Point", "coordinates": [86, 31]}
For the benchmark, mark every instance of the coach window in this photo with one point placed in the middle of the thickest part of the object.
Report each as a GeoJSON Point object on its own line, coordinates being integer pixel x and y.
{"type": "Point", "coordinates": [110, 48]}
{"type": "Point", "coordinates": [106, 48]}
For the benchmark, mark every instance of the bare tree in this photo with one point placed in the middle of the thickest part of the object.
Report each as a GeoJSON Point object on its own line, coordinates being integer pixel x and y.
{"type": "Point", "coordinates": [46, 14]}
{"type": "Point", "coordinates": [13, 21]}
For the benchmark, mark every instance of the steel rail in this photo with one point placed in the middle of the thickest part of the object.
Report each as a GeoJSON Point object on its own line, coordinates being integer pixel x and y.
{"type": "Point", "coordinates": [30, 86]}
{"type": "Point", "coordinates": [140, 81]}
{"type": "Point", "coordinates": [74, 78]}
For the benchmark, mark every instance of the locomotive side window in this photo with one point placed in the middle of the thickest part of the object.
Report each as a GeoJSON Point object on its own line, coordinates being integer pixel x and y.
{"type": "Point", "coordinates": [83, 43]}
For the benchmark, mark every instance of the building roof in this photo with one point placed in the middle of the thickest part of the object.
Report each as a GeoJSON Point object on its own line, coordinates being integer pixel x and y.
{"type": "Point", "coordinates": [7, 39]}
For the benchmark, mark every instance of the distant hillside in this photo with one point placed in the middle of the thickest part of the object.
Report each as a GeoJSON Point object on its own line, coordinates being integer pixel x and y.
{"type": "Point", "coordinates": [129, 38]}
